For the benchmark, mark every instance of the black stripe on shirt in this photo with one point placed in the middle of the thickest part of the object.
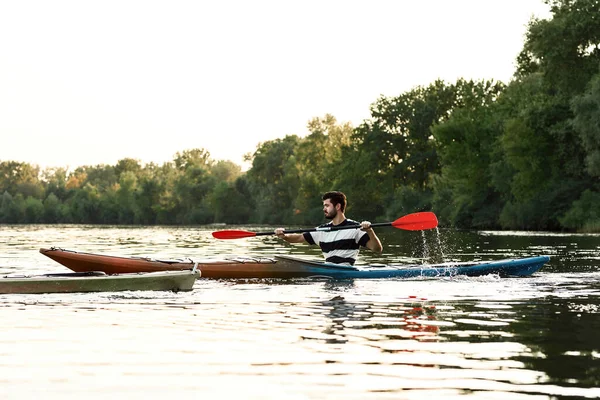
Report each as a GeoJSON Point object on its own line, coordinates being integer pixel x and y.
{"type": "Point", "coordinates": [344, 244]}
{"type": "Point", "coordinates": [364, 239]}
{"type": "Point", "coordinates": [308, 237]}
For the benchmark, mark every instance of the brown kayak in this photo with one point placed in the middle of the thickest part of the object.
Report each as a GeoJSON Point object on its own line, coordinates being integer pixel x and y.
{"type": "Point", "coordinates": [231, 267]}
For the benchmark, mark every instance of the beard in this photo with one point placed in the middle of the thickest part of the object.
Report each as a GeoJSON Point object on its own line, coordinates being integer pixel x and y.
{"type": "Point", "coordinates": [331, 215]}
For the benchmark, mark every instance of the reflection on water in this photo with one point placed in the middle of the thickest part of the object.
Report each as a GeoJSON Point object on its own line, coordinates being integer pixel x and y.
{"type": "Point", "coordinates": [421, 338]}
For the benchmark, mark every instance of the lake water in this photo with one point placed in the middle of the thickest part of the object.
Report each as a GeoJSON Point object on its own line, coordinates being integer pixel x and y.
{"type": "Point", "coordinates": [488, 338]}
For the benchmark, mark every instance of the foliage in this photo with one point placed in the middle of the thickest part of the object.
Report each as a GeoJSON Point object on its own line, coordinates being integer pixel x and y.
{"type": "Point", "coordinates": [316, 156]}
{"type": "Point", "coordinates": [585, 212]}
{"type": "Point", "coordinates": [565, 48]}
{"type": "Point", "coordinates": [273, 180]}
{"type": "Point", "coordinates": [229, 205]}
{"type": "Point", "coordinates": [586, 109]}
{"type": "Point", "coordinates": [466, 144]}
{"type": "Point", "coordinates": [407, 200]}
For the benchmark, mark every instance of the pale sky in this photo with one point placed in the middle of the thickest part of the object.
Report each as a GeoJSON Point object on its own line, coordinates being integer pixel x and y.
{"type": "Point", "coordinates": [91, 82]}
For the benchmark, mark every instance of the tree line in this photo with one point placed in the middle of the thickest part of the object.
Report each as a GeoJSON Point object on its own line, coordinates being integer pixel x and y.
{"type": "Point", "coordinates": [480, 154]}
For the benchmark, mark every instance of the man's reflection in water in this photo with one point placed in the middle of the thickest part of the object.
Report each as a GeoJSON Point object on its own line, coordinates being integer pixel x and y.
{"type": "Point", "coordinates": [409, 318]}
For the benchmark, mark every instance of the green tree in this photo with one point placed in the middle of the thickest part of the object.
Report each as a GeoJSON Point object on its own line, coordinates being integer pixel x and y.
{"type": "Point", "coordinates": [273, 180]}
{"type": "Point", "coordinates": [193, 184]}
{"type": "Point", "coordinates": [543, 154]}
{"type": "Point", "coordinates": [84, 205]}
{"type": "Point", "coordinates": [55, 180]}
{"type": "Point", "coordinates": [586, 109]}
{"type": "Point", "coordinates": [150, 187]}
{"type": "Point", "coordinates": [52, 209]}
{"type": "Point", "coordinates": [466, 148]}
{"type": "Point", "coordinates": [126, 198]}
{"type": "Point", "coordinates": [548, 142]}
{"type": "Point", "coordinates": [124, 165]}
{"type": "Point", "coordinates": [33, 211]}
{"type": "Point", "coordinates": [584, 214]}
{"type": "Point", "coordinates": [229, 205]}
{"type": "Point", "coordinates": [225, 171]}
{"type": "Point", "coordinates": [315, 159]}
{"type": "Point", "coordinates": [565, 48]}
{"type": "Point", "coordinates": [109, 208]}
{"type": "Point", "coordinates": [19, 177]}
{"type": "Point", "coordinates": [6, 202]}
{"type": "Point", "coordinates": [364, 170]}
{"type": "Point", "coordinates": [105, 176]}
{"type": "Point", "coordinates": [12, 208]}
{"type": "Point", "coordinates": [194, 157]}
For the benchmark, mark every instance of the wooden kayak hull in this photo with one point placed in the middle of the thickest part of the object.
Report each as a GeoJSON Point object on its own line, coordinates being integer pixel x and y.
{"type": "Point", "coordinates": [232, 267]}
{"type": "Point", "coordinates": [99, 282]}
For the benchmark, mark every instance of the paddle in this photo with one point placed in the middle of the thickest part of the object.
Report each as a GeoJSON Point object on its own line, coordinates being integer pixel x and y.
{"type": "Point", "coordinates": [411, 222]}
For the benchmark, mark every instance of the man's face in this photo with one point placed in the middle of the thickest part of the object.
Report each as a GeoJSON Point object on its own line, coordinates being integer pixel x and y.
{"type": "Point", "coordinates": [329, 209]}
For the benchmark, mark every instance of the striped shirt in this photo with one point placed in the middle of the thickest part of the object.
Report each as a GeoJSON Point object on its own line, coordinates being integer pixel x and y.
{"type": "Point", "coordinates": [341, 246]}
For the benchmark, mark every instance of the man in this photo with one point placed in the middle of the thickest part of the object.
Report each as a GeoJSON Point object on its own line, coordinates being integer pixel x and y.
{"type": "Point", "coordinates": [338, 246]}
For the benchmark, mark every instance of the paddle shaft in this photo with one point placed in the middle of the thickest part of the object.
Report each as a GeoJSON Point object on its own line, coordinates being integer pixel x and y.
{"type": "Point", "coordinates": [326, 228]}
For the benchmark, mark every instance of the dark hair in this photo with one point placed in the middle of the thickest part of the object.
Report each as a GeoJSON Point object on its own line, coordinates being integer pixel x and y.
{"type": "Point", "coordinates": [336, 198]}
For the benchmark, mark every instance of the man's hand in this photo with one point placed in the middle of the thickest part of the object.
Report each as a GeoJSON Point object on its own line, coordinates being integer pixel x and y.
{"type": "Point", "coordinates": [374, 243]}
{"type": "Point", "coordinates": [280, 232]}
{"type": "Point", "coordinates": [291, 237]}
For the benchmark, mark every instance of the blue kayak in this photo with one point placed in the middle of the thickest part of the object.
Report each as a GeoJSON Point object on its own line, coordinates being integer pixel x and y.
{"type": "Point", "coordinates": [288, 267]}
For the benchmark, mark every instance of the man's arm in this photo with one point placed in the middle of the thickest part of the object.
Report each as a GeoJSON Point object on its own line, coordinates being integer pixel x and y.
{"type": "Point", "coordinates": [290, 237]}
{"type": "Point", "coordinates": [374, 244]}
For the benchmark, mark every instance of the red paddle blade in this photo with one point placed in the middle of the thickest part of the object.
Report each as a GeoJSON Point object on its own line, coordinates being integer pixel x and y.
{"type": "Point", "coordinates": [417, 221]}
{"type": "Point", "coordinates": [232, 234]}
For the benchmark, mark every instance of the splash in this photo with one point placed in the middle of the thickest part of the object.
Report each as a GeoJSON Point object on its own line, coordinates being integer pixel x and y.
{"type": "Point", "coordinates": [433, 248]}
